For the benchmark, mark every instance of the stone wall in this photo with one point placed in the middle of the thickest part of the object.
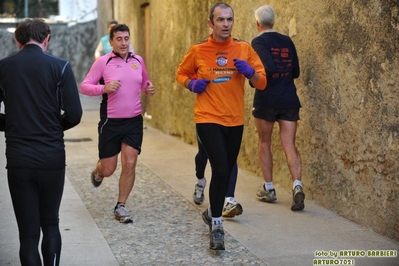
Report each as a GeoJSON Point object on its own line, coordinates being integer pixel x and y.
{"type": "Point", "coordinates": [75, 44]}
{"type": "Point", "coordinates": [348, 132]}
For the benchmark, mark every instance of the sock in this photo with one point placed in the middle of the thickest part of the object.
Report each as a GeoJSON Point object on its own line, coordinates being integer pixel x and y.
{"type": "Point", "coordinates": [231, 200]}
{"type": "Point", "coordinates": [217, 223]}
{"type": "Point", "coordinates": [201, 182]}
{"type": "Point", "coordinates": [98, 177]}
{"type": "Point", "coordinates": [297, 183]}
{"type": "Point", "coordinates": [119, 204]}
{"type": "Point", "coordinates": [268, 185]}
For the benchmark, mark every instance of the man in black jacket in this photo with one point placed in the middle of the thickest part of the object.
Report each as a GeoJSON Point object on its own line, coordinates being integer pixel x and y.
{"type": "Point", "coordinates": [278, 102]}
{"type": "Point", "coordinates": [41, 100]}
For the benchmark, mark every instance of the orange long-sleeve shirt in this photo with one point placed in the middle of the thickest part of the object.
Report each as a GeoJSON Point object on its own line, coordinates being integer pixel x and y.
{"type": "Point", "coordinates": [223, 100]}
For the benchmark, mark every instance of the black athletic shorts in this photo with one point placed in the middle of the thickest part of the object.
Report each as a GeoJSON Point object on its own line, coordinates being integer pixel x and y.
{"type": "Point", "coordinates": [113, 131]}
{"type": "Point", "coordinates": [272, 115]}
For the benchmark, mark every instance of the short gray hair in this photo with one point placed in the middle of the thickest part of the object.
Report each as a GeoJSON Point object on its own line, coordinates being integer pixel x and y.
{"type": "Point", "coordinates": [264, 15]}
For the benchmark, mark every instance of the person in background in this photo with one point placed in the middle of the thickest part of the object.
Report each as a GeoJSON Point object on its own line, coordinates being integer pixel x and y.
{"type": "Point", "coordinates": [220, 65]}
{"type": "Point", "coordinates": [41, 101]}
{"type": "Point", "coordinates": [232, 208]}
{"type": "Point", "coordinates": [104, 46]}
{"type": "Point", "coordinates": [119, 76]}
{"type": "Point", "coordinates": [278, 102]}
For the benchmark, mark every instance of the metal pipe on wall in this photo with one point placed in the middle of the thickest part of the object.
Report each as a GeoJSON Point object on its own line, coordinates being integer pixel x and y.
{"type": "Point", "coordinates": [26, 9]}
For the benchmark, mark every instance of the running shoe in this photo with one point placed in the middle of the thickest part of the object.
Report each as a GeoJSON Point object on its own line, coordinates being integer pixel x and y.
{"type": "Point", "coordinates": [95, 179]}
{"type": "Point", "coordinates": [122, 215]}
{"type": "Point", "coordinates": [217, 239]}
{"type": "Point", "coordinates": [232, 209]}
{"type": "Point", "coordinates": [298, 199]}
{"type": "Point", "coordinates": [198, 196]}
{"type": "Point", "coordinates": [266, 195]}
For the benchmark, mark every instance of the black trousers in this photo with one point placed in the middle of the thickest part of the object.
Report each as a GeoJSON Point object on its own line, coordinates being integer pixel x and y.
{"type": "Point", "coordinates": [201, 160]}
{"type": "Point", "coordinates": [36, 198]}
{"type": "Point", "coordinates": [222, 145]}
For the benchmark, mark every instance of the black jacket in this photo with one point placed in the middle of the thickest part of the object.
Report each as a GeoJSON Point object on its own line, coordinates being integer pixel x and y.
{"type": "Point", "coordinates": [41, 100]}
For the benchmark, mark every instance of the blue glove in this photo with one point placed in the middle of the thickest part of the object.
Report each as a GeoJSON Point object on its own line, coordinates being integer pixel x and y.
{"type": "Point", "coordinates": [243, 68]}
{"type": "Point", "coordinates": [198, 85]}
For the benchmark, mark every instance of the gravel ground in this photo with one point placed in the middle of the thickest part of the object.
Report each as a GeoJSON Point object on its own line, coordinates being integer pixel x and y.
{"type": "Point", "coordinates": [166, 228]}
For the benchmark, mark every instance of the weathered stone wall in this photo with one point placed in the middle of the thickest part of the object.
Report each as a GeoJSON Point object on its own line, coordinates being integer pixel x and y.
{"type": "Point", "coordinates": [348, 132]}
{"type": "Point", "coordinates": [75, 44]}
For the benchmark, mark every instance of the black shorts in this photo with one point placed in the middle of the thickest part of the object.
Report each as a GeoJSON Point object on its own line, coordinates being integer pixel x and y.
{"type": "Point", "coordinates": [113, 131]}
{"type": "Point", "coordinates": [272, 115]}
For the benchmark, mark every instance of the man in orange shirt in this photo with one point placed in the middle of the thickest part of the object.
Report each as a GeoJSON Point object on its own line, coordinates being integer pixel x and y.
{"type": "Point", "coordinates": [221, 65]}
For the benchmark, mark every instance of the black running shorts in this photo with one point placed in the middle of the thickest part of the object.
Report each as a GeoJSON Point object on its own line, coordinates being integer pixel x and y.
{"type": "Point", "coordinates": [272, 115]}
{"type": "Point", "coordinates": [113, 131]}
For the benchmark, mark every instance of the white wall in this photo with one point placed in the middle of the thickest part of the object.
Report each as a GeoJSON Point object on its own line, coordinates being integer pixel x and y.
{"type": "Point", "coordinates": [77, 10]}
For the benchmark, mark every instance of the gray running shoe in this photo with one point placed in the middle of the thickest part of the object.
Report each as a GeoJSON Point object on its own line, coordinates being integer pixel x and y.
{"type": "Point", "coordinates": [298, 199]}
{"type": "Point", "coordinates": [232, 209]}
{"type": "Point", "coordinates": [198, 196]}
{"type": "Point", "coordinates": [95, 179]}
{"type": "Point", "coordinates": [217, 239]}
{"type": "Point", "coordinates": [266, 195]}
{"type": "Point", "coordinates": [207, 219]}
{"type": "Point", "coordinates": [121, 214]}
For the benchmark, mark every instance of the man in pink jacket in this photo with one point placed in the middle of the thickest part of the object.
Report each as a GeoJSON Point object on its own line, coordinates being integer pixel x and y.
{"type": "Point", "coordinates": [119, 77]}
